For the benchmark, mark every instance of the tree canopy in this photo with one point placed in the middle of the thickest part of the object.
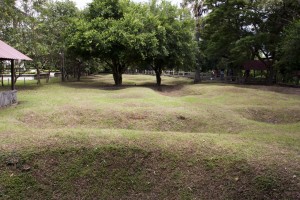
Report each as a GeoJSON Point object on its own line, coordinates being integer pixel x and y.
{"type": "Point", "coordinates": [120, 35]}
{"type": "Point", "coordinates": [241, 30]}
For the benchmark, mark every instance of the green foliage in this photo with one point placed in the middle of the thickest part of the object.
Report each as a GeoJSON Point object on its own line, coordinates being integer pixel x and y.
{"type": "Point", "coordinates": [105, 9]}
{"type": "Point", "coordinates": [7, 15]}
{"type": "Point", "coordinates": [290, 48]}
{"type": "Point", "coordinates": [177, 48]}
{"type": "Point", "coordinates": [245, 30]}
{"type": "Point", "coordinates": [38, 29]}
{"type": "Point", "coordinates": [120, 34]}
{"type": "Point", "coordinates": [124, 34]}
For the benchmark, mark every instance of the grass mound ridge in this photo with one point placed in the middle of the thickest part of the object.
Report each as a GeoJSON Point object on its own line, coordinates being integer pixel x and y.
{"type": "Point", "coordinates": [137, 141]}
{"type": "Point", "coordinates": [122, 172]}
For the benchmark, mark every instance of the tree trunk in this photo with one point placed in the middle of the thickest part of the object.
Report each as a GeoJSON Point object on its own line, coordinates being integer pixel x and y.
{"type": "Point", "coordinates": [75, 72]}
{"type": "Point", "coordinates": [158, 79]}
{"type": "Point", "coordinates": [197, 78]}
{"type": "Point", "coordinates": [78, 71]}
{"type": "Point", "coordinates": [158, 71]}
{"type": "Point", "coordinates": [48, 77]}
{"type": "Point", "coordinates": [63, 78]}
{"type": "Point", "coordinates": [198, 14]}
{"type": "Point", "coordinates": [117, 78]}
{"type": "Point", "coordinates": [270, 76]}
{"type": "Point", "coordinates": [38, 76]}
{"type": "Point", "coordinates": [271, 70]}
{"type": "Point", "coordinates": [118, 70]}
{"type": "Point", "coordinates": [16, 76]}
{"type": "Point", "coordinates": [63, 74]}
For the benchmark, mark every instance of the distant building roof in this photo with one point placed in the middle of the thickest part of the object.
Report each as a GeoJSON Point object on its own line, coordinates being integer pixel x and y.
{"type": "Point", "coordinates": [9, 53]}
{"type": "Point", "coordinates": [256, 65]}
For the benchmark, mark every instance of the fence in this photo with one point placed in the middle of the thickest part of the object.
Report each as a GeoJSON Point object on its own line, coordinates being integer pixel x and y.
{"type": "Point", "coordinates": [207, 76]}
{"type": "Point", "coordinates": [8, 98]}
{"type": "Point", "coordinates": [211, 77]}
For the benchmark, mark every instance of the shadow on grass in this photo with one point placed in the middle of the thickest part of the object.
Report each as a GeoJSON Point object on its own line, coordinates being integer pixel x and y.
{"type": "Point", "coordinates": [122, 172]}
{"type": "Point", "coordinates": [100, 83]}
{"type": "Point", "coordinates": [105, 82]}
{"type": "Point", "coordinates": [21, 87]}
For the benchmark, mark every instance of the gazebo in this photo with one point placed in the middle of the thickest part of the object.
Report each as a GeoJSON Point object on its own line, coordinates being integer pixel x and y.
{"type": "Point", "coordinates": [9, 53]}
{"type": "Point", "coordinates": [256, 66]}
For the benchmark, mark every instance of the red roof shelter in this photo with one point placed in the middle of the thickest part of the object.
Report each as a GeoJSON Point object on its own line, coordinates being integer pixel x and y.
{"type": "Point", "coordinates": [256, 65]}
{"type": "Point", "coordinates": [9, 53]}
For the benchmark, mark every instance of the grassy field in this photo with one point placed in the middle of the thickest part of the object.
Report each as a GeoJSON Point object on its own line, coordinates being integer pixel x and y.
{"type": "Point", "coordinates": [91, 140]}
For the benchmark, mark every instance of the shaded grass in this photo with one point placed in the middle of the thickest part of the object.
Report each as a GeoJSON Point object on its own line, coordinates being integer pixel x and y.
{"type": "Point", "coordinates": [175, 142]}
{"type": "Point", "coordinates": [117, 172]}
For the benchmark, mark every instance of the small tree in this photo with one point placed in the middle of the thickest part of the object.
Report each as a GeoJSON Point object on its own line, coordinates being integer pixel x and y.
{"type": "Point", "coordinates": [108, 36]}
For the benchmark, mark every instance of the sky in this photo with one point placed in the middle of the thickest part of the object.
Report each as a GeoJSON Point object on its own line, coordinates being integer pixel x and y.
{"type": "Point", "coordinates": [82, 3]}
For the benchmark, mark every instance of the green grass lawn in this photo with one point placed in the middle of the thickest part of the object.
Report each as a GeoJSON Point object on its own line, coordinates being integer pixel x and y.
{"type": "Point", "coordinates": [92, 140]}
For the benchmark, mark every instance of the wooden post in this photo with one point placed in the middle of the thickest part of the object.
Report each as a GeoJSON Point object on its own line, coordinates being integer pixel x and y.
{"type": "Point", "coordinates": [12, 75]}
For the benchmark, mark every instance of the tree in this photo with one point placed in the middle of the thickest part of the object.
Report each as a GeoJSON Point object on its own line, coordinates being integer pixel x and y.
{"type": "Point", "coordinates": [176, 46]}
{"type": "Point", "coordinates": [17, 24]}
{"type": "Point", "coordinates": [198, 8]}
{"type": "Point", "coordinates": [126, 34]}
{"type": "Point", "coordinates": [289, 53]}
{"type": "Point", "coordinates": [108, 37]}
{"type": "Point", "coordinates": [59, 16]}
{"type": "Point", "coordinates": [116, 35]}
{"type": "Point", "coordinates": [37, 28]}
{"type": "Point", "coordinates": [9, 16]}
{"type": "Point", "coordinates": [243, 30]}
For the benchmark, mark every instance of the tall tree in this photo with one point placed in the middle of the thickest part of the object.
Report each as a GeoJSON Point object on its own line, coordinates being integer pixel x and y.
{"type": "Point", "coordinates": [243, 30]}
{"type": "Point", "coordinates": [289, 53]}
{"type": "Point", "coordinates": [176, 48]}
{"type": "Point", "coordinates": [107, 35]}
{"type": "Point", "coordinates": [198, 8]}
{"type": "Point", "coordinates": [56, 16]}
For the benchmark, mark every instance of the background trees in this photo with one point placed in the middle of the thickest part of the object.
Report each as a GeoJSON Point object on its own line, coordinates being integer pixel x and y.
{"type": "Point", "coordinates": [197, 8]}
{"type": "Point", "coordinates": [120, 34]}
{"type": "Point", "coordinates": [289, 53]}
{"type": "Point", "coordinates": [124, 34]}
{"type": "Point", "coordinates": [38, 29]}
{"type": "Point", "coordinates": [237, 31]}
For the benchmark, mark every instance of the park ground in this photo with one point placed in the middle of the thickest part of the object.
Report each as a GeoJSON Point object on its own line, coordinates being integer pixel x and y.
{"type": "Point", "coordinates": [92, 140]}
